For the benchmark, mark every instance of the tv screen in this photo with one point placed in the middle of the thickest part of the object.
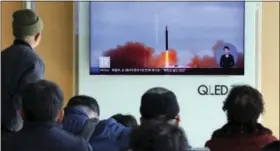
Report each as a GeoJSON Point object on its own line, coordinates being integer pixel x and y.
{"type": "Point", "coordinates": [173, 38]}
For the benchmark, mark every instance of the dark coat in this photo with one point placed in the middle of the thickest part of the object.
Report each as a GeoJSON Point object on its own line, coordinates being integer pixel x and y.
{"type": "Point", "coordinates": [274, 146]}
{"type": "Point", "coordinates": [108, 135]}
{"type": "Point", "coordinates": [227, 62]}
{"type": "Point", "coordinates": [225, 139]}
{"type": "Point", "coordinates": [19, 65]}
{"type": "Point", "coordinates": [48, 136]}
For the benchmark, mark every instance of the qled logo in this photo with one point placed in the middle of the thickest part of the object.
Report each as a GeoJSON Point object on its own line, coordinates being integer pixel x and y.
{"type": "Point", "coordinates": [212, 89]}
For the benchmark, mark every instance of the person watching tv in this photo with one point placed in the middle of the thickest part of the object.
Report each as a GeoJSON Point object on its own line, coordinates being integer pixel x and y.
{"type": "Point", "coordinates": [243, 106]}
{"type": "Point", "coordinates": [42, 112]}
{"type": "Point", "coordinates": [159, 106]}
{"type": "Point", "coordinates": [20, 65]}
{"type": "Point", "coordinates": [82, 118]}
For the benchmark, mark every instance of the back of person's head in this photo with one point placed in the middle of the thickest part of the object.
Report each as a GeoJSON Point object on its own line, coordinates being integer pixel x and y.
{"type": "Point", "coordinates": [27, 25]}
{"type": "Point", "coordinates": [88, 104]}
{"type": "Point", "coordinates": [274, 146]}
{"type": "Point", "coordinates": [159, 105]}
{"type": "Point", "coordinates": [126, 120]}
{"type": "Point", "coordinates": [164, 137]}
{"type": "Point", "coordinates": [243, 105]}
{"type": "Point", "coordinates": [42, 101]}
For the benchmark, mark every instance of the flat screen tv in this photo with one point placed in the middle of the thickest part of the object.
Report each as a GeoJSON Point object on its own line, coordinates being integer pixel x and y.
{"type": "Point", "coordinates": [167, 38]}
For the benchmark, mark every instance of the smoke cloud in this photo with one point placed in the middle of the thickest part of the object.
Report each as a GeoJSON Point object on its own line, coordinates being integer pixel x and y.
{"type": "Point", "coordinates": [138, 55]}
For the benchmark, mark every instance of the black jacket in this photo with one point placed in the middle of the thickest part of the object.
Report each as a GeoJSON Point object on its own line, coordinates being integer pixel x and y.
{"type": "Point", "coordinates": [227, 62]}
{"type": "Point", "coordinates": [44, 136]}
{"type": "Point", "coordinates": [19, 65]}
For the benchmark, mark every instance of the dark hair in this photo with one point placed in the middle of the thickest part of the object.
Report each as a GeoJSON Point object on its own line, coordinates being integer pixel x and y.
{"type": "Point", "coordinates": [164, 137]}
{"type": "Point", "coordinates": [126, 120]}
{"type": "Point", "coordinates": [243, 105]}
{"type": "Point", "coordinates": [274, 146]}
{"type": "Point", "coordinates": [159, 101]}
{"type": "Point", "coordinates": [226, 47]}
{"type": "Point", "coordinates": [41, 101]}
{"type": "Point", "coordinates": [84, 100]}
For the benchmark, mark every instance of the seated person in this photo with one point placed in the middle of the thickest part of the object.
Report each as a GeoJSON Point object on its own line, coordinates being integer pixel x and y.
{"type": "Point", "coordinates": [242, 132]}
{"type": "Point", "coordinates": [126, 120]}
{"type": "Point", "coordinates": [108, 135]}
{"type": "Point", "coordinates": [159, 106]}
{"type": "Point", "coordinates": [42, 111]}
{"type": "Point", "coordinates": [164, 137]}
{"type": "Point", "coordinates": [274, 146]}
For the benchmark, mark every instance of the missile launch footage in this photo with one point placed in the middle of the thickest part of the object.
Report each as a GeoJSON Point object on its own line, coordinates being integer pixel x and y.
{"type": "Point", "coordinates": [144, 38]}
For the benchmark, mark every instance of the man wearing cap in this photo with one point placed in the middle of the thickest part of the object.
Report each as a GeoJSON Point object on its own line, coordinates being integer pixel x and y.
{"type": "Point", "coordinates": [20, 65]}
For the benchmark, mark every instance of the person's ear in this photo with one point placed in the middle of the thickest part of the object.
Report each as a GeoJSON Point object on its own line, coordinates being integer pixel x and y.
{"type": "Point", "coordinates": [93, 115]}
{"type": "Point", "coordinates": [60, 116]}
{"type": "Point", "coordinates": [21, 113]}
{"type": "Point", "coordinates": [37, 37]}
{"type": "Point", "coordinates": [172, 122]}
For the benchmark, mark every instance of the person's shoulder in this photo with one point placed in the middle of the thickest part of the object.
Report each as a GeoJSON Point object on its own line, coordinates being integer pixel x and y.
{"type": "Point", "coordinates": [7, 142]}
{"type": "Point", "coordinates": [117, 125]}
{"type": "Point", "coordinates": [31, 54]}
{"type": "Point", "coordinates": [23, 52]}
{"type": "Point", "coordinates": [81, 145]}
{"type": "Point", "coordinates": [113, 125]}
{"type": "Point", "coordinates": [215, 136]}
{"type": "Point", "coordinates": [218, 133]}
{"type": "Point", "coordinates": [264, 139]}
{"type": "Point", "coordinates": [271, 146]}
{"type": "Point", "coordinates": [74, 142]}
{"type": "Point", "coordinates": [218, 143]}
{"type": "Point", "coordinates": [110, 122]}
{"type": "Point", "coordinates": [5, 50]}
{"type": "Point", "coordinates": [61, 133]}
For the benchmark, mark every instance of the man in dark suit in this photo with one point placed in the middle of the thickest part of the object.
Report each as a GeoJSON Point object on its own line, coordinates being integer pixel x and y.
{"type": "Point", "coordinates": [227, 60]}
{"type": "Point", "coordinates": [42, 111]}
{"type": "Point", "coordinates": [19, 65]}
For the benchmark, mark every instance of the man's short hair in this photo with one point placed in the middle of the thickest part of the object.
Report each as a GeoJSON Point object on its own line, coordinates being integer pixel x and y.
{"type": "Point", "coordinates": [157, 102]}
{"type": "Point", "coordinates": [226, 47]}
{"type": "Point", "coordinates": [163, 137]}
{"type": "Point", "coordinates": [41, 101]}
{"type": "Point", "coordinates": [126, 120]}
{"type": "Point", "coordinates": [84, 100]}
{"type": "Point", "coordinates": [244, 104]}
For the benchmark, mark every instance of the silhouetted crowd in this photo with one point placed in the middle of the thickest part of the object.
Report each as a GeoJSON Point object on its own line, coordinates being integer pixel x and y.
{"type": "Point", "coordinates": [33, 117]}
{"type": "Point", "coordinates": [47, 126]}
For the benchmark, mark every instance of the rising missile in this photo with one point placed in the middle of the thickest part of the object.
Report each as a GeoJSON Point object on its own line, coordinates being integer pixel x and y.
{"type": "Point", "coordinates": [166, 48]}
{"type": "Point", "coordinates": [166, 38]}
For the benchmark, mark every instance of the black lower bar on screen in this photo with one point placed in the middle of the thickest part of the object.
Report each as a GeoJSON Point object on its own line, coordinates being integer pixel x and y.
{"type": "Point", "coordinates": [167, 71]}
